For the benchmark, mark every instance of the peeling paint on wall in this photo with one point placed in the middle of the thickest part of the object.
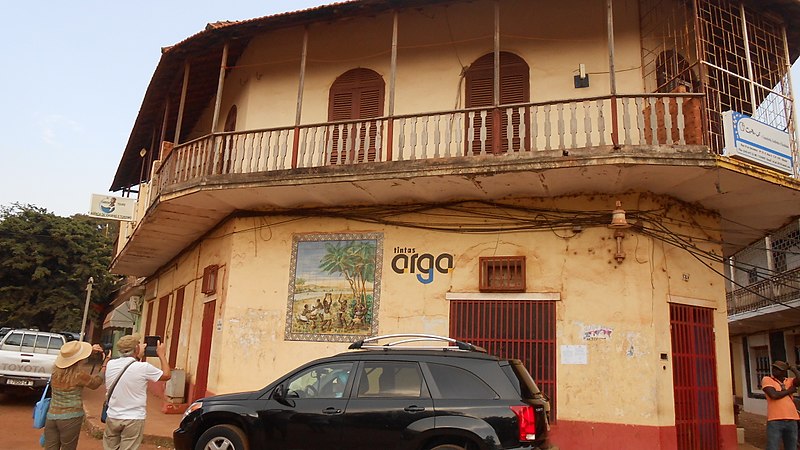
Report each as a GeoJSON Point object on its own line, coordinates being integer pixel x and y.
{"type": "Point", "coordinates": [631, 340]}
{"type": "Point", "coordinates": [596, 333]}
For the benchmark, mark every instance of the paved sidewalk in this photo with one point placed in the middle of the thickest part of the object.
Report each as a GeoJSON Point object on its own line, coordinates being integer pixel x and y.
{"type": "Point", "coordinates": [158, 427]}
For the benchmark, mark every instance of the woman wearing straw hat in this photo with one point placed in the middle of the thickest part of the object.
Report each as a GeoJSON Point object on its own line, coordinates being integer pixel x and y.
{"type": "Point", "coordinates": [65, 416]}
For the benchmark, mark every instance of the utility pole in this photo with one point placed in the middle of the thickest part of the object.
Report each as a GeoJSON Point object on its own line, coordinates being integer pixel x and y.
{"type": "Point", "coordinates": [86, 307]}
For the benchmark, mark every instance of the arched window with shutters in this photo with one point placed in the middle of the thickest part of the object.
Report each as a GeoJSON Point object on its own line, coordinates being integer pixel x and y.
{"type": "Point", "coordinates": [356, 95]}
{"type": "Point", "coordinates": [514, 88]}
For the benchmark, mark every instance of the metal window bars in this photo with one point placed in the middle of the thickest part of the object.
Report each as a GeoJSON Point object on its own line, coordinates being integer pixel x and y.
{"type": "Point", "coordinates": [401, 341]}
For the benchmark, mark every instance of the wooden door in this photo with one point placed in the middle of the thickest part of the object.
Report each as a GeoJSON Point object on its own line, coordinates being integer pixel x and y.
{"type": "Point", "coordinates": [514, 88]}
{"type": "Point", "coordinates": [204, 356]}
{"type": "Point", "coordinates": [174, 337]}
{"type": "Point", "coordinates": [356, 94]}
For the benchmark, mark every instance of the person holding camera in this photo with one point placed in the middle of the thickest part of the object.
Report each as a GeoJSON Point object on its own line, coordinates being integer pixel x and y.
{"type": "Point", "coordinates": [65, 415]}
{"type": "Point", "coordinates": [782, 416]}
{"type": "Point", "coordinates": [127, 406]}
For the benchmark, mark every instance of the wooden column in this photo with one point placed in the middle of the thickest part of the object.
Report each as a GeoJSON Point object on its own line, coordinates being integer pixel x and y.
{"type": "Point", "coordinates": [300, 87]}
{"type": "Point", "coordinates": [223, 65]}
{"type": "Point", "coordinates": [392, 84]}
{"type": "Point", "coordinates": [496, 120]}
{"type": "Point", "coordinates": [163, 135]}
{"type": "Point", "coordinates": [182, 104]}
{"type": "Point", "coordinates": [612, 75]}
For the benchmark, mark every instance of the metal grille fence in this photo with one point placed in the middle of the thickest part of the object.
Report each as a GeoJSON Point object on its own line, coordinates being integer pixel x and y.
{"type": "Point", "coordinates": [519, 329]}
{"type": "Point", "coordinates": [694, 373]}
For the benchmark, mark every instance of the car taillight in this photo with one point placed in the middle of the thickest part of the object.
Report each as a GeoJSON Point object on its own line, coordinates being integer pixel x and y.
{"type": "Point", "coordinates": [526, 417]}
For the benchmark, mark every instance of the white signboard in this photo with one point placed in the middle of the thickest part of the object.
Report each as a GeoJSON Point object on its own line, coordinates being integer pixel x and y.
{"type": "Point", "coordinates": [574, 354]}
{"type": "Point", "coordinates": [116, 208]}
{"type": "Point", "coordinates": [757, 142]}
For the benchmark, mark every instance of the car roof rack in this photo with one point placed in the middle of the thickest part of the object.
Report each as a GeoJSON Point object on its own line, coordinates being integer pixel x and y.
{"type": "Point", "coordinates": [401, 341]}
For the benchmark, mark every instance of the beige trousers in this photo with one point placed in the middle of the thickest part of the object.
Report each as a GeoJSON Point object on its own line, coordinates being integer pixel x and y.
{"type": "Point", "coordinates": [123, 434]}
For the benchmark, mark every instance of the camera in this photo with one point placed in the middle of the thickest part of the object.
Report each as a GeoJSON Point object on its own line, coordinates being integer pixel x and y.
{"type": "Point", "coordinates": [151, 342]}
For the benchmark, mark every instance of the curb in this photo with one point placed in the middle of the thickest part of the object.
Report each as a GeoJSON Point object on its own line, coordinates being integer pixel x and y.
{"type": "Point", "coordinates": [95, 428]}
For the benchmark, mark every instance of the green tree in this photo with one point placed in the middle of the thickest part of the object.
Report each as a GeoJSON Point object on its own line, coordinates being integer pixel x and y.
{"type": "Point", "coordinates": [45, 263]}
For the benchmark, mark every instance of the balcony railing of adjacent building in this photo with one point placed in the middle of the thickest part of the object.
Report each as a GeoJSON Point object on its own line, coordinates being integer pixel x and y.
{"type": "Point", "coordinates": [779, 289]}
{"type": "Point", "coordinates": [647, 119]}
{"type": "Point", "coordinates": [771, 267]}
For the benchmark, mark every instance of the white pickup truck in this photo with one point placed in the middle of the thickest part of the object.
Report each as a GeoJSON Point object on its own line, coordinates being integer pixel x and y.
{"type": "Point", "coordinates": [27, 357]}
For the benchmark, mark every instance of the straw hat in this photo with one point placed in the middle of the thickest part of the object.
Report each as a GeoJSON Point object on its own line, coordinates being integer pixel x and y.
{"type": "Point", "coordinates": [128, 343]}
{"type": "Point", "coordinates": [72, 352]}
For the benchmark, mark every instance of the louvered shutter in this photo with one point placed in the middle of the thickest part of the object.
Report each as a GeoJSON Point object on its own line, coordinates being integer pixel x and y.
{"type": "Point", "coordinates": [357, 94]}
{"type": "Point", "coordinates": [514, 88]}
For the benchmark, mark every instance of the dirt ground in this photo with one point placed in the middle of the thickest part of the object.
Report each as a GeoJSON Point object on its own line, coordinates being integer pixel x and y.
{"type": "Point", "coordinates": [16, 428]}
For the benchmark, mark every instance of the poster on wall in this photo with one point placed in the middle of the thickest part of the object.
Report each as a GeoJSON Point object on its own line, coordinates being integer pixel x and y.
{"type": "Point", "coordinates": [334, 287]}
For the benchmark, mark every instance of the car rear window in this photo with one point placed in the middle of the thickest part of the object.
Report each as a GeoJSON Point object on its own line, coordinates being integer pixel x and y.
{"type": "Point", "coordinates": [457, 383]}
{"type": "Point", "coordinates": [521, 379]}
{"type": "Point", "coordinates": [14, 340]}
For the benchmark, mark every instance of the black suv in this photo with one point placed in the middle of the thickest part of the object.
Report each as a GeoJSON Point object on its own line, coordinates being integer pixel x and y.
{"type": "Point", "coordinates": [399, 395]}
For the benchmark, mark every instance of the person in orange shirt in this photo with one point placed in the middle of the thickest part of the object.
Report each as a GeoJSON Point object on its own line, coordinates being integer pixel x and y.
{"type": "Point", "coordinates": [782, 416]}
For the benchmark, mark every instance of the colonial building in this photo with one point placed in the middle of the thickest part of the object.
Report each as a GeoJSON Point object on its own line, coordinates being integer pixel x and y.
{"type": "Point", "coordinates": [559, 182]}
{"type": "Point", "coordinates": [764, 311]}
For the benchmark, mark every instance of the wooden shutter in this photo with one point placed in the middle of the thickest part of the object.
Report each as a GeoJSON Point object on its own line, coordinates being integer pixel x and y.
{"type": "Point", "coordinates": [514, 88]}
{"type": "Point", "coordinates": [356, 94]}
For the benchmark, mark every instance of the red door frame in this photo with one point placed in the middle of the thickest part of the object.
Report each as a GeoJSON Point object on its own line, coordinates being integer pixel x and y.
{"type": "Point", "coordinates": [694, 375]}
{"type": "Point", "coordinates": [204, 356]}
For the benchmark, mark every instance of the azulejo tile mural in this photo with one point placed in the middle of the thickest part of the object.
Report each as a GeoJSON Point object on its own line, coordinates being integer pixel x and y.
{"type": "Point", "coordinates": [334, 287]}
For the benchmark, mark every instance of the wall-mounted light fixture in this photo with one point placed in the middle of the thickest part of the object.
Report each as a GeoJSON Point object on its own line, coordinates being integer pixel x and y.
{"type": "Point", "coordinates": [582, 78]}
{"type": "Point", "coordinates": [619, 223]}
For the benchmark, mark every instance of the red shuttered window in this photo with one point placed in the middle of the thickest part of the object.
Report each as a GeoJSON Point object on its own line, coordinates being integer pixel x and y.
{"type": "Point", "coordinates": [356, 94]}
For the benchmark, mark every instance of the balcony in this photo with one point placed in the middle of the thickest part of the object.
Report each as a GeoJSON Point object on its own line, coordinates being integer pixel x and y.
{"type": "Point", "coordinates": [605, 145]}
{"type": "Point", "coordinates": [765, 305]}
{"type": "Point", "coordinates": [528, 130]}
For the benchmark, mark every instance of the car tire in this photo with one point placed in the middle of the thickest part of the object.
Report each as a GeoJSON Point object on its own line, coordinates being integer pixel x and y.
{"type": "Point", "coordinates": [228, 437]}
{"type": "Point", "coordinates": [448, 447]}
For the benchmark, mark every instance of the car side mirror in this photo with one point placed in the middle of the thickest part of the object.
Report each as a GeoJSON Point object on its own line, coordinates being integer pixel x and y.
{"type": "Point", "coordinates": [280, 395]}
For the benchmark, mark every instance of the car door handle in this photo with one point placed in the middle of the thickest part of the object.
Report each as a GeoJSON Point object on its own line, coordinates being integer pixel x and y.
{"type": "Point", "coordinates": [331, 411]}
{"type": "Point", "coordinates": [414, 408]}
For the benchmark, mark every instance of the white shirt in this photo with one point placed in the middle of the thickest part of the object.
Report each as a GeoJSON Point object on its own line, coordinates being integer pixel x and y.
{"type": "Point", "coordinates": [129, 399]}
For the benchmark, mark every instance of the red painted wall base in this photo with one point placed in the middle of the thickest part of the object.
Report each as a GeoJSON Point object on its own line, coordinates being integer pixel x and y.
{"type": "Point", "coordinates": [610, 436]}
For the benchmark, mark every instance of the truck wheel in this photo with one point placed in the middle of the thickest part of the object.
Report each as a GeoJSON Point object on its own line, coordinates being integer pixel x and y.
{"type": "Point", "coordinates": [220, 437]}
{"type": "Point", "coordinates": [448, 447]}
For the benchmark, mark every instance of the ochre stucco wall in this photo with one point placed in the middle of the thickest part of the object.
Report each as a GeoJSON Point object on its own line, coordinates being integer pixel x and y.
{"type": "Point", "coordinates": [434, 45]}
{"type": "Point", "coordinates": [631, 298]}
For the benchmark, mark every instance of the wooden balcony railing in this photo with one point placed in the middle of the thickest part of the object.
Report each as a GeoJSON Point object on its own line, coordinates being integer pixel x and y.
{"type": "Point", "coordinates": [776, 290]}
{"type": "Point", "coordinates": [647, 119]}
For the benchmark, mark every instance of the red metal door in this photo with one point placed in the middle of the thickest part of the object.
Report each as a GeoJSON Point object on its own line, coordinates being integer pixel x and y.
{"type": "Point", "coordinates": [694, 375]}
{"type": "Point", "coordinates": [201, 379]}
{"type": "Point", "coordinates": [519, 329]}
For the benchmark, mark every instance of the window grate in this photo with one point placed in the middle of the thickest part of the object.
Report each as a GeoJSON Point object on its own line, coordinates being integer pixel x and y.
{"type": "Point", "coordinates": [502, 274]}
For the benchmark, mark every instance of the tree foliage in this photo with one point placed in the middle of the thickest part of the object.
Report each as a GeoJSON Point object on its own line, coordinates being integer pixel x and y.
{"type": "Point", "coordinates": [45, 263]}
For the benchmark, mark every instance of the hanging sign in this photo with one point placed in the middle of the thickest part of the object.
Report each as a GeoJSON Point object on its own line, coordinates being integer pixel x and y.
{"type": "Point", "coordinates": [756, 142]}
{"type": "Point", "coordinates": [116, 208]}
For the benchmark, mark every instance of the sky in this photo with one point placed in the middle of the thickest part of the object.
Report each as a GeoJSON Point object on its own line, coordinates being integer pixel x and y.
{"type": "Point", "coordinates": [73, 77]}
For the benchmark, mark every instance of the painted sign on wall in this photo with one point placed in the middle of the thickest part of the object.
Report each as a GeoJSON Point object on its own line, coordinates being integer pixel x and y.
{"type": "Point", "coordinates": [757, 142]}
{"type": "Point", "coordinates": [424, 266]}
